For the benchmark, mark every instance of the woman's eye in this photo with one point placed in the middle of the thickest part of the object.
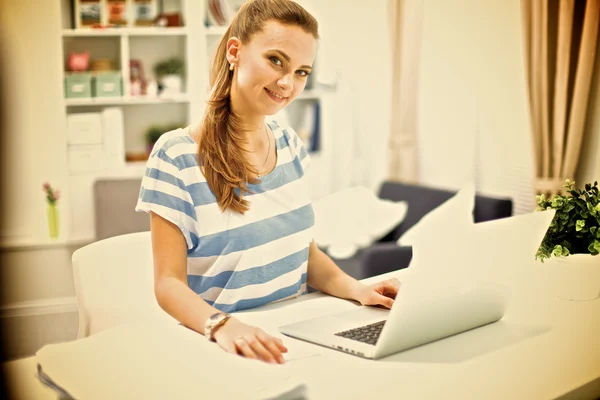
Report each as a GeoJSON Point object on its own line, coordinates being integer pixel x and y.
{"type": "Point", "coordinates": [303, 73]}
{"type": "Point", "coordinates": [275, 60]}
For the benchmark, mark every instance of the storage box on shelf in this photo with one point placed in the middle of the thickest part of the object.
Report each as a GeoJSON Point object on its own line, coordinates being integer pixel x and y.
{"type": "Point", "coordinates": [107, 84]}
{"type": "Point", "coordinates": [78, 85]}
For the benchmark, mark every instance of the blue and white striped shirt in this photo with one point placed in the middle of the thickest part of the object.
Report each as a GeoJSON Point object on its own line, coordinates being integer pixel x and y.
{"type": "Point", "coordinates": [235, 261]}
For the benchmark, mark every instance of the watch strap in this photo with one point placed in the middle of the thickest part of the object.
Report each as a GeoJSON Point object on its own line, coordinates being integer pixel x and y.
{"type": "Point", "coordinates": [214, 322]}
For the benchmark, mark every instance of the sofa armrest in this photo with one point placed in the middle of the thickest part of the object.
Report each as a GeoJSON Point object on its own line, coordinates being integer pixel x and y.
{"type": "Point", "coordinates": [381, 258]}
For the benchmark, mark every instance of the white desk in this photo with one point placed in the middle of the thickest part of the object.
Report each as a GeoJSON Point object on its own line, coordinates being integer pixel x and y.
{"type": "Point", "coordinates": [543, 348]}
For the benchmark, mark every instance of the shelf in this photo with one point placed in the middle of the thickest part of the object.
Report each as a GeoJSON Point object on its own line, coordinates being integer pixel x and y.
{"type": "Point", "coordinates": [109, 101]}
{"type": "Point", "coordinates": [141, 31]}
{"type": "Point", "coordinates": [216, 30]}
{"type": "Point", "coordinates": [129, 170]}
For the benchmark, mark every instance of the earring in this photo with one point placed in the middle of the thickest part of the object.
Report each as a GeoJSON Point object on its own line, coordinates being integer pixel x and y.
{"type": "Point", "coordinates": [231, 67]}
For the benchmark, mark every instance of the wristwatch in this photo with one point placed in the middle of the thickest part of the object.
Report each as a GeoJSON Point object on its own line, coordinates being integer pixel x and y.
{"type": "Point", "coordinates": [213, 323]}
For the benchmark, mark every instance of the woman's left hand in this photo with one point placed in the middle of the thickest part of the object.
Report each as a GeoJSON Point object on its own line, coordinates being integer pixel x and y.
{"type": "Point", "coordinates": [378, 294]}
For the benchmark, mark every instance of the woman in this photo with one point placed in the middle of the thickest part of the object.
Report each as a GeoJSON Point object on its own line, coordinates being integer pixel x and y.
{"type": "Point", "coordinates": [231, 219]}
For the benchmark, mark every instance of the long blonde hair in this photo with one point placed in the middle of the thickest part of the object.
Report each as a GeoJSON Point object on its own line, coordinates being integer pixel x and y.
{"type": "Point", "coordinates": [220, 153]}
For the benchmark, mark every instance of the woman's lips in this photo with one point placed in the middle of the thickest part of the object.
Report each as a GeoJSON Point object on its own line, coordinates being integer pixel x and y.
{"type": "Point", "coordinates": [275, 96]}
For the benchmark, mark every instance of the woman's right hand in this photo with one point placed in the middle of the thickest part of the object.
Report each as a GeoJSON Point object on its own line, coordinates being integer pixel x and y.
{"type": "Point", "coordinates": [238, 338]}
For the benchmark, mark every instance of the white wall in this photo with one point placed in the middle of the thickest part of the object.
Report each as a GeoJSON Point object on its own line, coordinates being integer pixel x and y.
{"type": "Point", "coordinates": [355, 52]}
{"type": "Point", "coordinates": [33, 150]}
{"type": "Point", "coordinates": [447, 94]}
{"type": "Point", "coordinates": [505, 154]}
{"type": "Point", "coordinates": [473, 118]}
{"type": "Point", "coordinates": [589, 167]}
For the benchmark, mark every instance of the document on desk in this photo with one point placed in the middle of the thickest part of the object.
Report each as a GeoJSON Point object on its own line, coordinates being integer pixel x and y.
{"type": "Point", "coordinates": [161, 361]}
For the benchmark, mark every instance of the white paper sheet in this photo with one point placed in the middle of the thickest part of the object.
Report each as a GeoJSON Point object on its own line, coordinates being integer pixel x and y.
{"type": "Point", "coordinates": [162, 361]}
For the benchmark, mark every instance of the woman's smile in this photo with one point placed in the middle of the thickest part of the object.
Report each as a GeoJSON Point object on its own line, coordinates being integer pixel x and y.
{"type": "Point", "coordinates": [276, 96]}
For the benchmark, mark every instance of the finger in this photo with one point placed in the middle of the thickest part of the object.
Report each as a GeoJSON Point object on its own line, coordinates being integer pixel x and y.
{"type": "Point", "coordinates": [244, 349]}
{"type": "Point", "coordinates": [270, 343]}
{"type": "Point", "coordinates": [260, 350]}
{"type": "Point", "coordinates": [391, 288]}
{"type": "Point", "coordinates": [278, 342]}
{"type": "Point", "coordinates": [385, 301]}
{"type": "Point", "coordinates": [281, 346]}
{"type": "Point", "coordinates": [228, 347]}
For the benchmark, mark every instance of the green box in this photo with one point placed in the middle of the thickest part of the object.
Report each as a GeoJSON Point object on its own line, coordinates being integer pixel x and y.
{"type": "Point", "coordinates": [78, 85]}
{"type": "Point", "coordinates": [107, 84]}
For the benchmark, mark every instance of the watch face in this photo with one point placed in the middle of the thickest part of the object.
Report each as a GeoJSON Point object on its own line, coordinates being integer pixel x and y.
{"type": "Point", "coordinates": [216, 317]}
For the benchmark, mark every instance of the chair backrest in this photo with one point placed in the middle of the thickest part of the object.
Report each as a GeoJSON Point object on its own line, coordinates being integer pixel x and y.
{"type": "Point", "coordinates": [114, 283]}
{"type": "Point", "coordinates": [423, 199]}
{"type": "Point", "coordinates": [114, 207]}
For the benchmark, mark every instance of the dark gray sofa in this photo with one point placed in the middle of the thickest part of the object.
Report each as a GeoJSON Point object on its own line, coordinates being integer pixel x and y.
{"type": "Point", "coordinates": [385, 255]}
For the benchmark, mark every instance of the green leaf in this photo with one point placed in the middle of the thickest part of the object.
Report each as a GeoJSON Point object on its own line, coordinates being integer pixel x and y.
{"type": "Point", "coordinates": [557, 202]}
{"type": "Point", "coordinates": [576, 226]}
{"type": "Point", "coordinates": [594, 247]}
{"type": "Point", "coordinates": [557, 251]}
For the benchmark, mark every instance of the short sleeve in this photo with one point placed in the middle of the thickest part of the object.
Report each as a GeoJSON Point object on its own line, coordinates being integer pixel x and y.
{"type": "Point", "coordinates": [298, 148]}
{"type": "Point", "coordinates": [164, 193]}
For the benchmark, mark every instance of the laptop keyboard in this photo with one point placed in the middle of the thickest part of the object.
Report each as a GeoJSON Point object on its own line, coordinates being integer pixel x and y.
{"type": "Point", "coordinates": [366, 334]}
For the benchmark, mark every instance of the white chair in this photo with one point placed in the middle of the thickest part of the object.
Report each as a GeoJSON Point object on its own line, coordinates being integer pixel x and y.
{"type": "Point", "coordinates": [114, 283]}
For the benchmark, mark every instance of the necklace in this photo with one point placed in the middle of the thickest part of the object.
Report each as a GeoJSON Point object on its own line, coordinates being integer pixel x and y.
{"type": "Point", "coordinates": [258, 174]}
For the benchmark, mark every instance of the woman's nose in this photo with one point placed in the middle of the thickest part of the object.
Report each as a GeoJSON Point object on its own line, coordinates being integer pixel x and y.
{"type": "Point", "coordinates": [286, 82]}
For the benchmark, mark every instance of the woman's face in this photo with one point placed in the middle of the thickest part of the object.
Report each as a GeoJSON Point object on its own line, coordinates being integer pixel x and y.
{"type": "Point", "coordinates": [271, 70]}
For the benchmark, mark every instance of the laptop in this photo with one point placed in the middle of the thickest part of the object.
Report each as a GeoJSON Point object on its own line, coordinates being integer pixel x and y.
{"type": "Point", "coordinates": [422, 312]}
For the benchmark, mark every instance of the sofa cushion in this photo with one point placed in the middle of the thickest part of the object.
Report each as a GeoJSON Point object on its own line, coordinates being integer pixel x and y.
{"type": "Point", "coordinates": [354, 218]}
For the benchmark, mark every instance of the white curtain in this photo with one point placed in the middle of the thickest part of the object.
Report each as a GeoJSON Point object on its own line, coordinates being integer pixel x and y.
{"type": "Point", "coordinates": [406, 17]}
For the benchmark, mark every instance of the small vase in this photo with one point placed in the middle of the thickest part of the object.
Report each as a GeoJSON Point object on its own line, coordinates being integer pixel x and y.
{"type": "Point", "coordinates": [53, 221]}
{"type": "Point", "coordinates": [577, 276]}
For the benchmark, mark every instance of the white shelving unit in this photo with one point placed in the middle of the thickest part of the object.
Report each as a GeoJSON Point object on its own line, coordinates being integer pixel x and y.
{"type": "Point", "coordinates": [195, 43]}
{"type": "Point", "coordinates": [122, 44]}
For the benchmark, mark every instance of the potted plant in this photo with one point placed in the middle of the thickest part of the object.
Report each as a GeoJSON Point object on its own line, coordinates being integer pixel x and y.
{"type": "Point", "coordinates": [154, 132]}
{"type": "Point", "coordinates": [572, 241]}
{"type": "Point", "coordinates": [170, 74]}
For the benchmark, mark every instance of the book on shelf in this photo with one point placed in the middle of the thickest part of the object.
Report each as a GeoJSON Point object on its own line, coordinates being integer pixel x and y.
{"type": "Point", "coordinates": [315, 143]}
{"type": "Point", "coordinates": [308, 129]}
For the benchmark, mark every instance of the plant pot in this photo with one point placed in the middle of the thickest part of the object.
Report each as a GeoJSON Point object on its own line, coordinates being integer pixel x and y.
{"type": "Point", "coordinates": [578, 276]}
{"type": "Point", "coordinates": [172, 84]}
